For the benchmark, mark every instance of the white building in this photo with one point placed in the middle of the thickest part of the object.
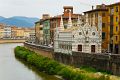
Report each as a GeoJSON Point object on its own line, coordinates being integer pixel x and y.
{"type": "Point", "coordinates": [7, 32]}
{"type": "Point", "coordinates": [82, 38]}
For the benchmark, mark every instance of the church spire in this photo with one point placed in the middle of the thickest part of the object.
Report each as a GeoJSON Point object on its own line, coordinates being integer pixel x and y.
{"type": "Point", "coordinates": [69, 21]}
{"type": "Point", "coordinates": [79, 22]}
{"type": "Point", "coordinates": [61, 24]}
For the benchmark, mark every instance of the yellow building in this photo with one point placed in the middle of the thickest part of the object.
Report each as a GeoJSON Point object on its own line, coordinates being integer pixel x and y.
{"type": "Point", "coordinates": [100, 12]}
{"type": "Point", "coordinates": [13, 32]}
{"type": "Point", "coordinates": [114, 24]}
{"type": "Point", "coordinates": [28, 32]}
{"type": "Point", "coordinates": [20, 33]}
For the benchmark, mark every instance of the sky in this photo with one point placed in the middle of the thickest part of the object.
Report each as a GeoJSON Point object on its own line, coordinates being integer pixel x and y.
{"type": "Point", "coordinates": [35, 8]}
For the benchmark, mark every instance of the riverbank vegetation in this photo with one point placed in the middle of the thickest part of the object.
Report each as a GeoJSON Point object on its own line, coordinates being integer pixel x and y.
{"type": "Point", "coordinates": [91, 69]}
{"type": "Point", "coordinates": [53, 67]}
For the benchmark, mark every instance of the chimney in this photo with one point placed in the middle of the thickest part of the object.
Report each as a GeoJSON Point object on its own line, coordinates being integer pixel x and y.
{"type": "Point", "coordinates": [92, 7]}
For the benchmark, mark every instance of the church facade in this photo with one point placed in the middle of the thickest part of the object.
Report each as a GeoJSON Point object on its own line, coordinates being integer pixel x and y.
{"type": "Point", "coordinates": [81, 38]}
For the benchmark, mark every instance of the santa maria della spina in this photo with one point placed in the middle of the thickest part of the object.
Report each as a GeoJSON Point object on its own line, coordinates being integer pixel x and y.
{"type": "Point", "coordinates": [80, 37]}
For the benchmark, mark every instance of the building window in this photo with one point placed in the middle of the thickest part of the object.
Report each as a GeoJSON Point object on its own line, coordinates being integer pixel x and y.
{"type": "Point", "coordinates": [116, 19]}
{"type": "Point", "coordinates": [103, 14]}
{"type": "Point", "coordinates": [103, 35]}
{"type": "Point", "coordinates": [93, 33]}
{"type": "Point", "coordinates": [65, 26]}
{"type": "Point", "coordinates": [117, 9]}
{"type": "Point", "coordinates": [86, 32]}
{"type": "Point", "coordinates": [116, 28]}
{"type": "Point", "coordinates": [73, 36]}
{"type": "Point", "coordinates": [41, 28]}
{"type": "Point", "coordinates": [62, 46]}
{"type": "Point", "coordinates": [93, 48]}
{"type": "Point", "coordinates": [116, 38]}
{"type": "Point", "coordinates": [70, 47]}
{"type": "Point", "coordinates": [80, 33]}
{"type": "Point", "coordinates": [103, 25]}
{"type": "Point", "coordinates": [112, 11]}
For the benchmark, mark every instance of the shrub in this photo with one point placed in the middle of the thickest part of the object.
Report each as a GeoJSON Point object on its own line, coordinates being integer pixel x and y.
{"type": "Point", "coordinates": [88, 69]}
{"type": "Point", "coordinates": [104, 77]}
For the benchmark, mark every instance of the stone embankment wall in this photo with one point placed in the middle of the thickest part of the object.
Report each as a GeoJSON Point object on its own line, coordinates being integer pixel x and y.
{"type": "Point", "coordinates": [11, 41]}
{"type": "Point", "coordinates": [106, 62]}
{"type": "Point", "coordinates": [42, 50]}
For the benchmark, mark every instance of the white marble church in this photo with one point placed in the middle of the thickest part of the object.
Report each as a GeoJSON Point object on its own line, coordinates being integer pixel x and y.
{"type": "Point", "coordinates": [81, 38]}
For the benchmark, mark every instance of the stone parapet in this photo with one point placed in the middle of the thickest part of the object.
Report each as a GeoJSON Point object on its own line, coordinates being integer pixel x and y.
{"type": "Point", "coordinates": [42, 50]}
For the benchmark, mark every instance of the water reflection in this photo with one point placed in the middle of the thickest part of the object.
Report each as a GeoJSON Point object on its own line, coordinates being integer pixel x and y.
{"type": "Point", "coordinates": [39, 75]}
{"type": "Point", "coordinates": [13, 69]}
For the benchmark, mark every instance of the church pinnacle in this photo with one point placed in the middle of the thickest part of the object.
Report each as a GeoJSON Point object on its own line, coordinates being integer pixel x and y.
{"type": "Point", "coordinates": [69, 21]}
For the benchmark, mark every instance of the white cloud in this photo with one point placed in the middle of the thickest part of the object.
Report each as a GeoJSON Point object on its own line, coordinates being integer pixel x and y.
{"type": "Point", "coordinates": [38, 7]}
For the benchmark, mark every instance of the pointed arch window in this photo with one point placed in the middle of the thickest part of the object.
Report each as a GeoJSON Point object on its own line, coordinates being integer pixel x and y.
{"type": "Point", "coordinates": [80, 33]}
{"type": "Point", "coordinates": [79, 47]}
{"type": "Point", "coordinates": [93, 48]}
{"type": "Point", "coordinates": [86, 32]}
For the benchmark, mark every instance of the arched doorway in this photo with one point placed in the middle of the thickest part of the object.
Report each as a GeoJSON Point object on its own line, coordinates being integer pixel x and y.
{"type": "Point", "coordinates": [79, 47]}
{"type": "Point", "coordinates": [93, 48]}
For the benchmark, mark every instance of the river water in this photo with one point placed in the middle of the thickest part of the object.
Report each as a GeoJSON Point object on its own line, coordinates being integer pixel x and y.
{"type": "Point", "coordinates": [13, 69]}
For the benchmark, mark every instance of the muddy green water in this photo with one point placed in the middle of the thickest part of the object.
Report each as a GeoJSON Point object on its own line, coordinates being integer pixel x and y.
{"type": "Point", "coordinates": [13, 69]}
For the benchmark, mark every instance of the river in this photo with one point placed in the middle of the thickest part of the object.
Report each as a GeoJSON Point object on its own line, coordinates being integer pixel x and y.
{"type": "Point", "coordinates": [13, 69]}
